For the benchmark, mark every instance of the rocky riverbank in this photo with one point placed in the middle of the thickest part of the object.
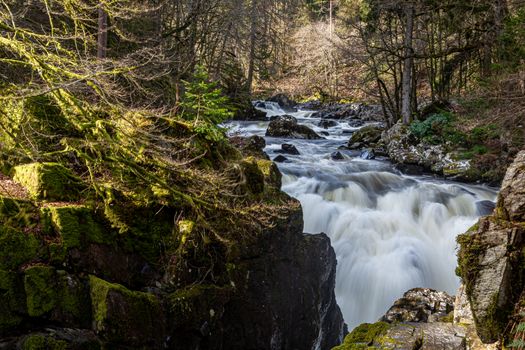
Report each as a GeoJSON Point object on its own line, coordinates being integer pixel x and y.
{"type": "Point", "coordinates": [434, 144]}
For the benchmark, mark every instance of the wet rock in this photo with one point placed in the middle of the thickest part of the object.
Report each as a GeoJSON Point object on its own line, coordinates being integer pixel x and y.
{"type": "Point", "coordinates": [368, 154]}
{"type": "Point", "coordinates": [369, 136]}
{"type": "Point", "coordinates": [410, 169]}
{"type": "Point", "coordinates": [325, 133]}
{"type": "Point", "coordinates": [287, 148]}
{"type": "Point", "coordinates": [337, 156]}
{"type": "Point", "coordinates": [324, 123]}
{"type": "Point", "coordinates": [485, 208]}
{"type": "Point", "coordinates": [285, 102]}
{"type": "Point", "coordinates": [355, 123]}
{"type": "Point", "coordinates": [420, 305]}
{"type": "Point", "coordinates": [280, 159]}
{"type": "Point", "coordinates": [287, 126]}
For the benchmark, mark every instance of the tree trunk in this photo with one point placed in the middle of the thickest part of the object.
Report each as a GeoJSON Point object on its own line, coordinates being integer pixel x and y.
{"type": "Point", "coordinates": [253, 43]}
{"type": "Point", "coordinates": [408, 65]}
{"type": "Point", "coordinates": [102, 42]}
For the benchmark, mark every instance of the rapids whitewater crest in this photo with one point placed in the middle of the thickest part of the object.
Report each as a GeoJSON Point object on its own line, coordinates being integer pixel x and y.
{"type": "Point", "coordinates": [391, 232]}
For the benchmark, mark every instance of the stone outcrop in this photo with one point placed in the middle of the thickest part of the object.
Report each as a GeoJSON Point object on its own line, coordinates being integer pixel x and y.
{"type": "Point", "coordinates": [68, 279]}
{"type": "Point", "coordinates": [287, 126]}
{"type": "Point", "coordinates": [404, 148]}
{"type": "Point", "coordinates": [420, 305]}
{"type": "Point", "coordinates": [491, 258]}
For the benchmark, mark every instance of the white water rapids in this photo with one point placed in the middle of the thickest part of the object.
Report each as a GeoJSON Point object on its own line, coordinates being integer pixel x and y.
{"type": "Point", "coordinates": [391, 232]}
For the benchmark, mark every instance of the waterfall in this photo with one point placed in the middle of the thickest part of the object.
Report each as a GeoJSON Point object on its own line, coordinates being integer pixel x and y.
{"type": "Point", "coordinates": [390, 232]}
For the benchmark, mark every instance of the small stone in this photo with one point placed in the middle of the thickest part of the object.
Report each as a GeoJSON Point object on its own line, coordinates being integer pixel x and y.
{"type": "Point", "coordinates": [280, 159]}
{"type": "Point", "coordinates": [337, 156]}
{"type": "Point", "coordinates": [287, 148]}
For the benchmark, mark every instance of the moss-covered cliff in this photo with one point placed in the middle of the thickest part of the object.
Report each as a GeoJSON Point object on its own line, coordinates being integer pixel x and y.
{"type": "Point", "coordinates": [80, 273]}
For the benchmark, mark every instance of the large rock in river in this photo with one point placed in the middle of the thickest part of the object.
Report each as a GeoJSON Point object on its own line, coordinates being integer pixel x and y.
{"type": "Point", "coordinates": [287, 126]}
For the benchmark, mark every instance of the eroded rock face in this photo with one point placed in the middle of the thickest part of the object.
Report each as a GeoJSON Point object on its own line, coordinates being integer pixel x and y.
{"type": "Point", "coordinates": [420, 305]}
{"type": "Point", "coordinates": [491, 258]}
{"type": "Point", "coordinates": [289, 300]}
{"type": "Point", "coordinates": [287, 126]}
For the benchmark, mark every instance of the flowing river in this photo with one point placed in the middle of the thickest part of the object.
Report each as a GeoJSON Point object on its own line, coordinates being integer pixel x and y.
{"type": "Point", "coordinates": [391, 232]}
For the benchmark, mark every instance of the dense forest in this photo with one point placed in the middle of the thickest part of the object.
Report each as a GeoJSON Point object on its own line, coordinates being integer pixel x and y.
{"type": "Point", "coordinates": [133, 217]}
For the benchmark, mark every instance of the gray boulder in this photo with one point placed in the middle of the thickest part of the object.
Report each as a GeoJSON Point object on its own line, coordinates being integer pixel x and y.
{"type": "Point", "coordinates": [287, 126]}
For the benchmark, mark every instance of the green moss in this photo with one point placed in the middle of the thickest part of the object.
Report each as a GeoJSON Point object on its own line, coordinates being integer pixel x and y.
{"type": "Point", "coordinates": [16, 248]}
{"type": "Point", "coordinates": [253, 176]}
{"type": "Point", "coordinates": [270, 171]}
{"type": "Point", "coordinates": [41, 291]}
{"type": "Point", "coordinates": [363, 336]}
{"type": "Point", "coordinates": [12, 303]}
{"type": "Point", "coordinates": [75, 225]}
{"type": "Point", "coordinates": [470, 249]}
{"type": "Point", "coordinates": [16, 212]}
{"type": "Point", "coordinates": [40, 342]}
{"type": "Point", "coordinates": [119, 312]}
{"type": "Point", "coordinates": [48, 181]}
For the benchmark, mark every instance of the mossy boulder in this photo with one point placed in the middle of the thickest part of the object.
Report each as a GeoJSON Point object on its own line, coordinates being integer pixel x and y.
{"type": "Point", "coordinates": [367, 136]}
{"type": "Point", "coordinates": [75, 224]}
{"type": "Point", "coordinates": [57, 295]}
{"type": "Point", "coordinates": [49, 181]}
{"type": "Point", "coordinates": [363, 335]}
{"type": "Point", "coordinates": [122, 316]}
{"type": "Point", "coordinates": [41, 293]}
{"type": "Point", "coordinates": [16, 248]}
{"type": "Point", "coordinates": [12, 300]}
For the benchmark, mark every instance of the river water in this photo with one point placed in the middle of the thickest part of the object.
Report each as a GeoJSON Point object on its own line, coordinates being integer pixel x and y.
{"type": "Point", "coordinates": [391, 232]}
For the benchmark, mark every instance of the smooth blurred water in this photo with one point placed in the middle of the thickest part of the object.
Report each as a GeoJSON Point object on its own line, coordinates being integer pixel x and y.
{"type": "Point", "coordinates": [390, 232]}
